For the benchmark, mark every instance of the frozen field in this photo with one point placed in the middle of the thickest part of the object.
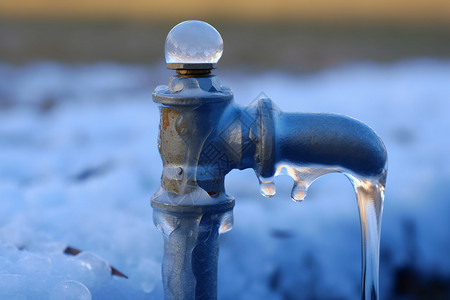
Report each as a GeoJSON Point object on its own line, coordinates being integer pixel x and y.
{"type": "Point", "coordinates": [79, 164]}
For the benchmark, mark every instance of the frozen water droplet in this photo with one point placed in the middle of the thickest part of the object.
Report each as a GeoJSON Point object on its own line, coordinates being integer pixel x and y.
{"type": "Point", "coordinates": [193, 42]}
{"type": "Point", "coordinates": [267, 187]}
{"type": "Point", "coordinates": [370, 196]}
{"type": "Point", "coordinates": [303, 177]}
{"type": "Point", "coordinates": [298, 193]}
{"type": "Point", "coordinates": [89, 269]}
{"type": "Point", "coordinates": [70, 290]}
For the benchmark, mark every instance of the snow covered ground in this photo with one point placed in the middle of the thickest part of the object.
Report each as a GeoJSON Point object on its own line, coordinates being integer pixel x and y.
{"type": "Point", "coordinates": [79, 163]}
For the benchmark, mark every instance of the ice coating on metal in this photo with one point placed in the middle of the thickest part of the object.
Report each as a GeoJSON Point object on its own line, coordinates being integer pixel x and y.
{"type": "Point", "coordinates": [191, 246]}
{"type": "Point", "coordinates": [204, 135]}
{"type": "Point", "coordinates": [193, 42]}
{"type": "Point", "coordinates": [189, 115]}
{"type": "Point", "coordinates": [180, 173]}
{"type": "Point", "coordinates": [370, 198]}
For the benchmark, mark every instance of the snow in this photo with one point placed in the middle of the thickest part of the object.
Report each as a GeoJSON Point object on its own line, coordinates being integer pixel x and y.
{"type": "Point", "coordinates": [79, 164]}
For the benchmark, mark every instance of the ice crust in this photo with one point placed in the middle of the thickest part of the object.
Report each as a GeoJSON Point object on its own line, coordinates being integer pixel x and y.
{"type": "Point", "coordinates": [79, 164]}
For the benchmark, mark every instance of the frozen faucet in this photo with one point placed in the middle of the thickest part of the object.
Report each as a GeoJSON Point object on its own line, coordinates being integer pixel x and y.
{"type": "Point", "coordinates": [204, 135]}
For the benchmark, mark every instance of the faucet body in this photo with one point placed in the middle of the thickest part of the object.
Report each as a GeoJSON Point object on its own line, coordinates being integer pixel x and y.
{"type": "Point", "coordinates": [203, 136]}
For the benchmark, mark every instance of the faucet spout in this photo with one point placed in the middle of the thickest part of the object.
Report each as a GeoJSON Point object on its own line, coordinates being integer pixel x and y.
{"type": "Point", "coordinates": [328, 140]}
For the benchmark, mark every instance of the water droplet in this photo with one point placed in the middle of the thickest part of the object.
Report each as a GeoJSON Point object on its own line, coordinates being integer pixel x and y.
{"type": "Point", "coordinates": [298, 193]}
{"type": "Point", "coordinates": [267, 189]}
{"type": "Point", "coordinates": [266, 186]}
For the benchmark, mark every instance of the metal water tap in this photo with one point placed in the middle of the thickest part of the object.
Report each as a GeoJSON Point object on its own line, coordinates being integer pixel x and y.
{"type": "Point", "coordinates": [204, 135]}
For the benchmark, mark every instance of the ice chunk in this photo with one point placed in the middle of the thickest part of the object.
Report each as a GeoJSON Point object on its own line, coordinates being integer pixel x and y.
{"type": "Point", "coordinates": [34, 264]}
{"type": "Point", "coordinates": [90, 269]}
{"type": "Point", "coordinates": [193, 42]}
{"type": "Point", "coordinates": [69, 290]}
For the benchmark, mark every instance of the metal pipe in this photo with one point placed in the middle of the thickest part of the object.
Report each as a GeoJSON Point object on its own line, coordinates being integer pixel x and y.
{"type": "Point", "coordinates": [191, 247]}
{"type": "Point", "coordinates": [203, 135]}
{"type": "Point", "coordinates": [329, 140]}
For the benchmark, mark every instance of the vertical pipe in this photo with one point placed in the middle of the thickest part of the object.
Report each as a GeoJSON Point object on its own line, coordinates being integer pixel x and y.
{"type": "Point", "coordinates": [191, 248]}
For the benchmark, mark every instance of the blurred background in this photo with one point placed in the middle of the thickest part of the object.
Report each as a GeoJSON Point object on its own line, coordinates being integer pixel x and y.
{"type": "Point", "coordinates": [288, 35]}
{"type": "Point", "coordinates": [79, 163]}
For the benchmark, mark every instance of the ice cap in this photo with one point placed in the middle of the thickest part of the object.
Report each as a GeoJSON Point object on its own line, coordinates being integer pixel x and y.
{"type": "Point", "coordinates": [193, 45]}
